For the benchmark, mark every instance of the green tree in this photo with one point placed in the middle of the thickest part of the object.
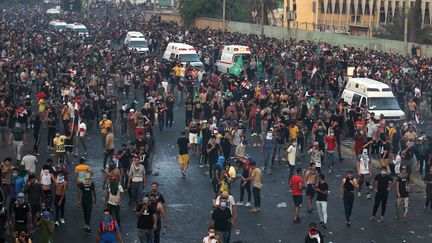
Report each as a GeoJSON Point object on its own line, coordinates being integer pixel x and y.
{"type": "Point", "coordinates": [269, 6]}
{"type": "Point", "coordinates": [395, 29]}
{"type": "Point", "coordinates": [236, 10]}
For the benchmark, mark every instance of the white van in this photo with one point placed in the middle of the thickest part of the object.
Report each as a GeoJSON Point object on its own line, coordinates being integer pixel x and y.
{"type": "Point", "coordinates": [58, 25]}
{"type": "Point", "coordinates": [184, 53]}
{"type": "Point", "coordinates": [230, 55]}
{"type": "Point", "coordinates": [136, 41]}
{"type": "Point", "coordinates": [55, 10]}
{"type": "Point", "coordinates": [376, 96]}
{"type": "Point", "coordinates": [78, 28]}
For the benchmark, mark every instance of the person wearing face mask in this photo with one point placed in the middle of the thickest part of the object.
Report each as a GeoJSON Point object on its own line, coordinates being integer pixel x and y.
{"type": "Point", "coordinates": [383, 183]}
{"type": "Point", "coordinates": [363, 170]}
{"type": "Point", "coordinates": [211, 237]}
{"type": "Point", "coordinates": [268, 148]}
{"type": "Point", "coordinates": [109, 230]}
{"type": "Point", "coordinates": [314, 235]}
{"type": "Point", "coordinates": [222, 221]}
{"type": "Point", "coordinates": [21, 214]}
{"type": "Point", "coordinates": [46, 228]}
{"type": "Point", "coordinates": [402, 193]}
{"type": "Point", "coordinates": [349, 183]}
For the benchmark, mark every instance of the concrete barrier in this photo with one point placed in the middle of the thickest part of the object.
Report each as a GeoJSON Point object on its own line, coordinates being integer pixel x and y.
{"type": "Point", "coordinates": [300, 34]}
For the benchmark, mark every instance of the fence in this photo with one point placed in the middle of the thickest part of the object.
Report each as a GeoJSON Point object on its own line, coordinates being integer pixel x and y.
{"type": "Point", "coordinates": [301, 34]}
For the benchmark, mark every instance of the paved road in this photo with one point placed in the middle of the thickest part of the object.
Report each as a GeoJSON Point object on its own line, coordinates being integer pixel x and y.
{"type": "Point", "coordinates": [189, 204]}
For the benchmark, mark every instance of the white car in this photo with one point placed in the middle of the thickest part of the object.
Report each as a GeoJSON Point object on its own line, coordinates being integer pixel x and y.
{"type": "Point", "coordinates": [184, 53]}
{"type": "Point", "coordinates": [136, 41]}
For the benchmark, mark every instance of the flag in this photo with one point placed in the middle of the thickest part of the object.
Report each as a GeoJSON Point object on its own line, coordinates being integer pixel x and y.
{"type": "Point", "coordinates": [237, 68]}
{"type": "Point", "coordinates": [314, 69]}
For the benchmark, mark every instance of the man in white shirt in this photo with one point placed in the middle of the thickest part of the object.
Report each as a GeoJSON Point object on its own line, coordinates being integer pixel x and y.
{"type": "Point", "coordinates": [363, 170]}
{"type": "Point", "coordinates": [80, 138]}
{"type": "Point", "coordinates": [29, 161]}
{"type": "Point", "coordinates": [291, 157]}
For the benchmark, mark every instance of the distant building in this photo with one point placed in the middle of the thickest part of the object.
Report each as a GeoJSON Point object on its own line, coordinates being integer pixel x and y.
{"type": "Point", "coordinates": [344, 15]}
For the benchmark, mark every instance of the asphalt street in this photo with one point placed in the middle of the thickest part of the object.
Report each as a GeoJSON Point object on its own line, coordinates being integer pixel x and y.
{"type": "Point", "coordinates": [189, 202]}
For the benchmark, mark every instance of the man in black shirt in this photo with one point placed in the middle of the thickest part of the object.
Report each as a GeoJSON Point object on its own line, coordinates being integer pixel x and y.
{"type": "Point", "coordinates": [402, 193]}
{"type": "Point", "coordinates": [382, 185]}
{"type": "Point", "coordinates": [226, 144]}
{"type": "Point", "coordinates": [407, 154]}
{"type": "Point", "coordinates": [213, 151]}
{"type": "Point", "coordinates": [428, 181]}
{"type": "Point", "coordinates": [147, 221]}
{"type": "Point", "coordinates": [321, 200]}
{"type": "Point", "coordinates": [3, 222]}
{"type": "Point", "coordinates": [21, 214]}
{"type": "Point", "coordinates": [183, 157]}
{"type": "Point", "coordinates": [221, 219]}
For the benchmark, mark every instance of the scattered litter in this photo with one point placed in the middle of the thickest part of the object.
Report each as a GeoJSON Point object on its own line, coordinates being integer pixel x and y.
{"type": "Point", "coordinates": [338, 176]}
{"type": "Point", "coordinates": [282, 205]}
{"type": "Point", "coordinates": [412, 232]}
{"type": "Point", "coordinates": [420, 237]}
{"type": "Point", "coordinates": [282, 182]}
{"type": "Point", "coordinates": [276, 195]}
{"type": "Point", "coordinates": [330, 233]}
{"type": "Point", "coordinates": [362, 228]}
{"type": "Point", "coordinates": [155, 173]}
{"type": "Point", "coordinates": [179, 210]}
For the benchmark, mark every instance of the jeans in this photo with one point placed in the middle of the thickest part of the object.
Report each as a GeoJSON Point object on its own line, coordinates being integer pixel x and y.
{"type": "Point", "coordinates": [145, 235]}
{"type": "Point", "coordinates": [322, 211]}
{"type": "Point", "coordinates": [291, 171]}
{"type": "Point", "coordinates": [380, 198]}
{"type": "Point", "coordinates": [161, 121]}
{"type": "Point", "coordinates": [362, 179]}
{"type": "Point", "coordinates": [331, 158]}
{"type": "Point", "coordinates": [223, 236]}
{"type": "Point", "coordinates": [280, 150]}
{"type": "Point", "coordinates": [115, 209]}
{"type": "Point", "coordinates": [3, 131]}
{"type": "Point", "coordinates": [17, 147]}
{"type": "Point", "coordinates": [348, 200]}
{"type": "Point", "coordinates": [247, 186]}
{"type": "Point", "coordinates": [87, 210]}
{"type": "Point", "coordinates": [107, 154]}
{"type": "Point", "coordinates": [59, 210]}
{"type": "Point", "coordinates": [137, 191]}
{"type": "Point", "coordinates": [257, 197]}
{"type": "Point", "coordinates": [81, 142]}
{"type": "Point", "coordinates": [169, 118]}
{"type": "Point", "coordinates": [268, 157]}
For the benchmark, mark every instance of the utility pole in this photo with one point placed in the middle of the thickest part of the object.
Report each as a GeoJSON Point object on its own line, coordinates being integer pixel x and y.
{"type": "Point", "coordinates": [407, 6]}
{"type": "Point", "coordinates": [223, 14]}
{"type": "Point", "coordinates": [262, 17]}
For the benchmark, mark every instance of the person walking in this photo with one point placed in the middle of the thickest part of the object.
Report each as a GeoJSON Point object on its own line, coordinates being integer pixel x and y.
{"type": "Point", "coordinates": [296, 186]}
{"type": "Point", "coordinates": [383, 182]}
{"type": "Point", "coordinates": [291, 157]}
{"type": "Point", "coordinates": [81, 137]}
{"type": "Point", "coordinates": [146, 221]}
{"type": "Point", "coordinates": [137, 180]}
{"type": "Point", "coordinates": [321, 200]}
{"type": "Point", "coordinates": [348, 185]}
{"type": "Point", "coordinates": [103, 125]}
{"type": "Point", "coordinates": [114, 196]}
{"type": "Point", "coordinates": [18, 134]}
{"type": "Point", "coordinates": [46, 228]}
{"type": "Point", "coordinates": [60, 198]}
{"type": "Point", "coordinates": [86, 197]}
{"type": "Point", "coordinates": [268, 148]}
{"type": "Point", "coordinates": [311, 179]}
{"type": "Point", "coordinates": [402, 193]}
{"type": "Point", "coordinates": [109, 147]}
{"type": "Point", "coordinates": [109, 230]}
{"type": "Point", "coordinates": [221, 221]}
{"type": "Point", "coordinates": [363, 170]}
{"type": "Point", "coordinates": [183, 156]}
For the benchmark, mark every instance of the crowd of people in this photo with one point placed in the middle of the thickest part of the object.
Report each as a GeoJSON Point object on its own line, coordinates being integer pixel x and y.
{"type": "Point", "coordinates": [286, 102]}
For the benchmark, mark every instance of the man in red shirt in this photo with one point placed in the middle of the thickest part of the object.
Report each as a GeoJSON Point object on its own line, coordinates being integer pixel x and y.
{"type": "Point", "coordinates": [330, 141]}
{"type": "Point", "coordinates": [296, 185]}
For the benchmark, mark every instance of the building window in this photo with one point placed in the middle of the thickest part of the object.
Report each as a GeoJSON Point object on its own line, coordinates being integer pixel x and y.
{"type": "Point", "coordinates": [353, 18]}
{"type": "Point", "coordinates": [314, 7]}
{"type": "Point", "coordinates": [344, 7]}
{"type": "Point", "coordinates": [321, 6]}
{"type": "Point", "coordinates": [336, 10]}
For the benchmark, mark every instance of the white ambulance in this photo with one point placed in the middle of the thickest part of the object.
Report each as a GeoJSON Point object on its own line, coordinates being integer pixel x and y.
{"type": "Point", "coordinates": [78, 28]}
{"type": "Point", "coordinates": [58, 25]}
{"type": "Point", "coordinates": [376, 96]}
{"type": "Point", "coordinates": [230, 55]}
{"type": "Point", "coordinates": [136, 41]}
{"type": "Point", "coordinates": [184, 53]}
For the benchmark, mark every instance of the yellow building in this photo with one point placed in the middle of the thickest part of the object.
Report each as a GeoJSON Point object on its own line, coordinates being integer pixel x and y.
{"type": "Point", "coordinates": [344, 15]}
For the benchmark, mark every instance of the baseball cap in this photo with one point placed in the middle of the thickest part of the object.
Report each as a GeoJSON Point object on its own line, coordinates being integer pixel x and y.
{"type": "Point", "coordinates": [20, 195]}
{"type": "Point", "coordinates": [82, 159]}
{"type": "Point", "coordinates": [46, 214]}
